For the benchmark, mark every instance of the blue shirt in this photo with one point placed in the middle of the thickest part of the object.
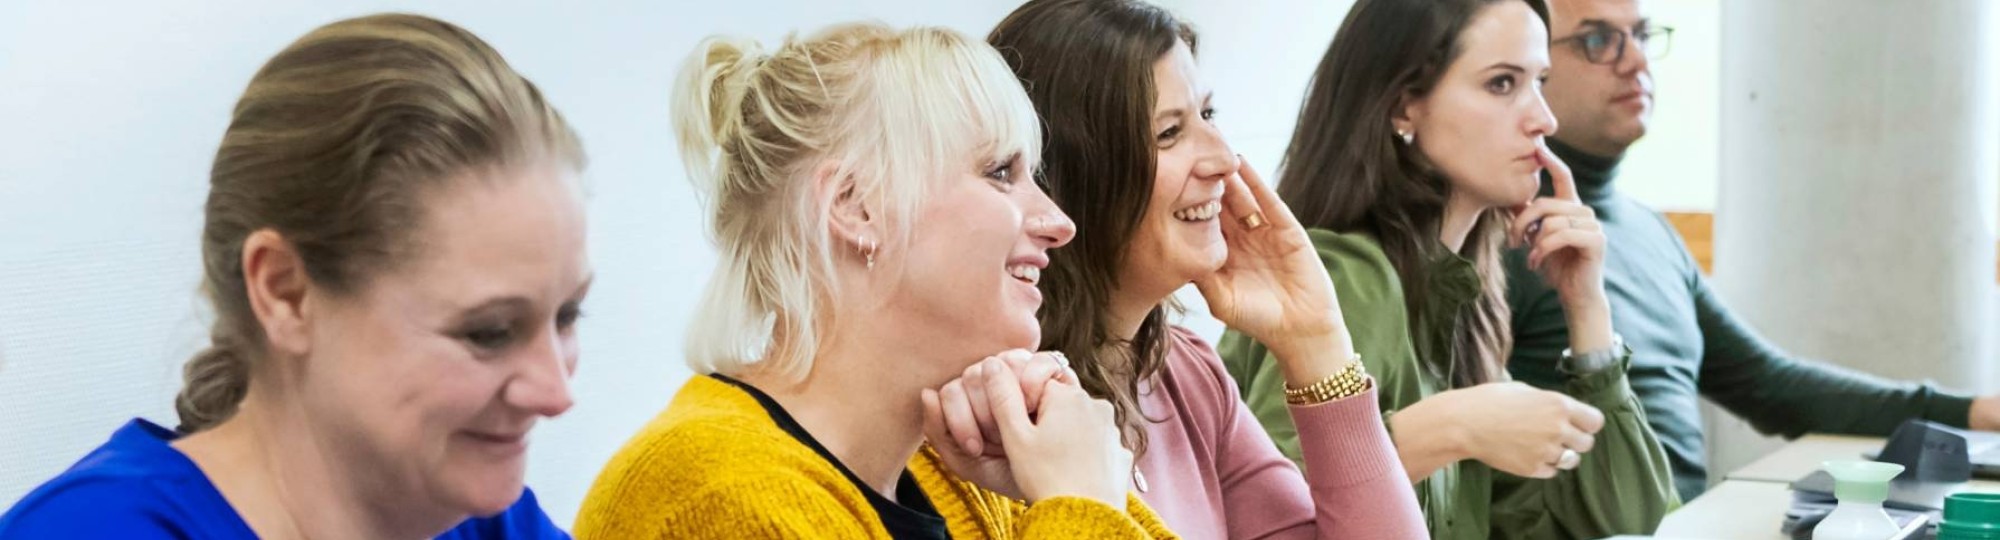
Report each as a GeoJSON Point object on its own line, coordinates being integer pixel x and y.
{"type": "Point", "coordinates": [136, 486]}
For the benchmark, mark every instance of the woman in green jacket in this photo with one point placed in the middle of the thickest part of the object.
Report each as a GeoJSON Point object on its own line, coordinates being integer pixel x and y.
{"type": "Point", "coordinates": [1417, 158]}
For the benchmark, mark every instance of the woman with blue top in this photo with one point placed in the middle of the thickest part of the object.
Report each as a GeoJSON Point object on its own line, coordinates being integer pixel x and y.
{"type": "Point", "coordinates": [394, 248]}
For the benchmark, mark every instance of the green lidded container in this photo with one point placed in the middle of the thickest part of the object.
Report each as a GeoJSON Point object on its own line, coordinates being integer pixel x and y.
{"type": "Point", "coordinates": [1971, 516]}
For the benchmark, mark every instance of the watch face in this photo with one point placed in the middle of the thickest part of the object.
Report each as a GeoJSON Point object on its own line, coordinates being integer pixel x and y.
{"type": "Point", "coordinates": [1593, 361]}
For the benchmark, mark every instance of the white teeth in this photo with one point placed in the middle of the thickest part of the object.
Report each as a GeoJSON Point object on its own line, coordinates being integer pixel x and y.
{"type": "Point", "coordinates": [1204, 212]}
{"type": "Point", "coordinates": [1026, 273]}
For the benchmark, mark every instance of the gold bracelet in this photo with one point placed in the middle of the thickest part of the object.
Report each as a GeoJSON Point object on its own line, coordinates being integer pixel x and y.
{"type": "Point", "coordinates": [1348, 382]}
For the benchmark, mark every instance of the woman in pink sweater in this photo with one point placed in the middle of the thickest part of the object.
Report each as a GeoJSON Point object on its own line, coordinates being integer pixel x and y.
{"type": "Point", "coordinates": [1160, 201]}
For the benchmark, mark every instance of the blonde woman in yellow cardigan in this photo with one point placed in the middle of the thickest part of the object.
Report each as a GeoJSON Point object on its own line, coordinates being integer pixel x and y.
{"type": "Point", "coordinates": [881, 233]}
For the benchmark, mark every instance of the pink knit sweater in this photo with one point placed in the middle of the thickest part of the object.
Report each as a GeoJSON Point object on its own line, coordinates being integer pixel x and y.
{"type": "Point", "coordinates": [1211, 472]}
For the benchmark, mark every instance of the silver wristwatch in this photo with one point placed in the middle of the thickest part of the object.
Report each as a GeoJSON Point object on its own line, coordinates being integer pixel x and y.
{"type": "Point", "coordinates": [1593, 361]}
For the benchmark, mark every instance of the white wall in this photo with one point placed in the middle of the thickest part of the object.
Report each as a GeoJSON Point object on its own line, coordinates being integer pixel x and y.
{"type": "Point", "coordinates": [109, 115]}
{"type": "Point", "coordinates": [1675, 167]}
{"type": "Point", "coordinates": [1816, 145]}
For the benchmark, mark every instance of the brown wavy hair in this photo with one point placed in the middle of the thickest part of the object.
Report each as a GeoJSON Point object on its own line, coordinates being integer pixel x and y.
{"type": "Point", "coordinates": [1346, 170]}
{"type": "Point", "coordinates": [1088, 66]}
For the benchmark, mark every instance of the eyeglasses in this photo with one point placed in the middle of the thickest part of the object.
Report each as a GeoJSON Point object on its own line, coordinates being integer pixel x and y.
{"type": "Point", "coordinates": [1603, 44]}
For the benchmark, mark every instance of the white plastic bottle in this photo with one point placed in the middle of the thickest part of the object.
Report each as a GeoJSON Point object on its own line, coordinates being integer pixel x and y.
{"type": "Point", "coordinates": [1861, 487]}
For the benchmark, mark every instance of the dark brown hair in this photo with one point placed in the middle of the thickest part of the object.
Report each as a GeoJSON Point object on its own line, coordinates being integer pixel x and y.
{"type": "Point", "coordinates": [331, 146]}
{"type": "Point", "coordinates": [1346, 170]}
{"type": "Point", "coordinates": [1088, 66]}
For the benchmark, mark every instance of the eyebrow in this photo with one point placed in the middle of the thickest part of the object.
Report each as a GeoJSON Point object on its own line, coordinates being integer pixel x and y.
{"type": "Point", "coordinates": [502, 305]}
{"type": "Point", "coordinates": [1009, 160]}
{"type": "Point", "coordinates": [1603, 23]}
{"type": "Point", "coordinates": [1516, 69]}
{"type": "Point", "coordinates": [519, 303]}
{"type": "Point", "coordinates": [1205, 99]}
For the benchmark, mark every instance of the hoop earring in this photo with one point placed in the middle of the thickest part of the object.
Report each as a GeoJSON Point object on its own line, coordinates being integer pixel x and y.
{"type": "Point", "coordinates": [868, 251]}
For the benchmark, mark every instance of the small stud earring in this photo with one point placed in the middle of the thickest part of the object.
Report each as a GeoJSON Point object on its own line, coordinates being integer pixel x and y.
{"type": "Point", "coordinates": [1409, 137]}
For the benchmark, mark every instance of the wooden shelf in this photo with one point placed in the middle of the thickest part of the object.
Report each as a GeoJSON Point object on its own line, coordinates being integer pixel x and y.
{"type": "Point", "coordinates": [1698, 231]}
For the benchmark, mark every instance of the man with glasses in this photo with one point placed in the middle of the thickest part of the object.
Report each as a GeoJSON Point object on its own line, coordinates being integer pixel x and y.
{"type": "Point", "coordinates": [1686, 344]}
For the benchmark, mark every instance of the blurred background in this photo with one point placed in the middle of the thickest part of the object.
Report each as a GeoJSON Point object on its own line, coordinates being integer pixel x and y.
{"type": "Point", "coordinates": [110, 112]}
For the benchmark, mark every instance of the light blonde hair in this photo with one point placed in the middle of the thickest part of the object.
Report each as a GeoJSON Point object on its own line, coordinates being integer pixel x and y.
{"type": "Point", "coordinates": [897, 109]}
{"type": "Point", "coordinates": [331, 146]}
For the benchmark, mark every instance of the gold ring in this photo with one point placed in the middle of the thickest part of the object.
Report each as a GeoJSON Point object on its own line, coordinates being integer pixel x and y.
{"type": "Point", "coordinates": [1253, 221]}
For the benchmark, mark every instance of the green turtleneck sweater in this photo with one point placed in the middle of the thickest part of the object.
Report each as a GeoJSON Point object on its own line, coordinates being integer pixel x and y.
{"type": "Point", "coordinates": [1686, 344]}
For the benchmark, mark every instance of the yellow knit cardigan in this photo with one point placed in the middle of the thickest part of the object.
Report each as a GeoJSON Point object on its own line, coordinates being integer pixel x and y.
{"type": "Point", "coordinates": [714, 465]}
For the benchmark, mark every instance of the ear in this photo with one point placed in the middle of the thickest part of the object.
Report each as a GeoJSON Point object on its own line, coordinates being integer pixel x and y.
{"type": "Point", "coordinates": [850, 218]}
{"type": "Point", "coordinates": [1409, 113]}
{"type": "Point", "coordinates": [276, 284]}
